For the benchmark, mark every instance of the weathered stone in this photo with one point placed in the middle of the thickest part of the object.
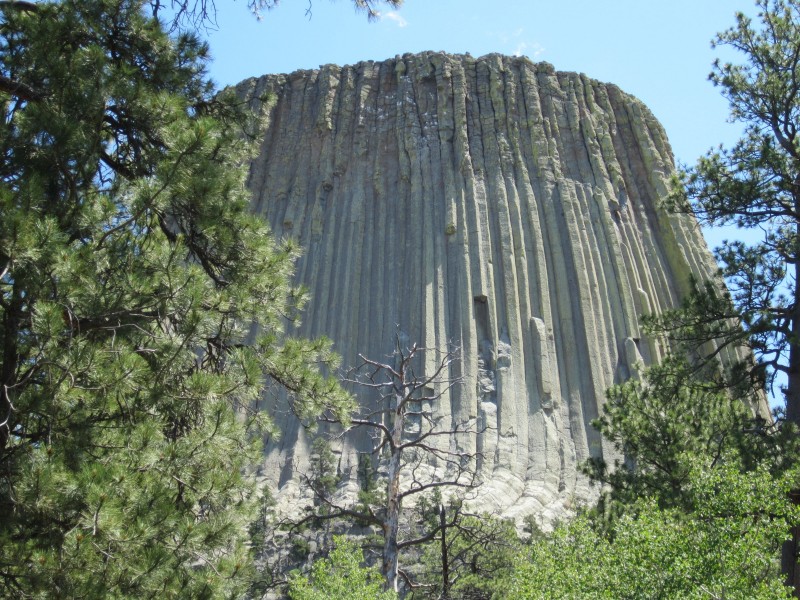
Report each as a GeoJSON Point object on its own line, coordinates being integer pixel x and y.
{"type": "Point", "coordinates": [494, 203]}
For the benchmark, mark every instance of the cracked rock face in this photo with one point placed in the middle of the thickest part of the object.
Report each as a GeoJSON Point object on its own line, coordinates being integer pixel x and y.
{"type": "Point", "coordinates": [494, 203]}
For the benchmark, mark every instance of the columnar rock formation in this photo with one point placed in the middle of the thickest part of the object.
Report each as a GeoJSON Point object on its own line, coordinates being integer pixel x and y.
{"type": "Point", "coordinates": [494, 203]}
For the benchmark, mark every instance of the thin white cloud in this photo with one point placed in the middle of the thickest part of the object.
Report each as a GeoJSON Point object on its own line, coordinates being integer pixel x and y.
{"type": "Point", "coordinates": [393, 15]}
{"type": "Point", "coordinates": [516, 40]}
{"type": "Point", "coordinates": [530, 50]}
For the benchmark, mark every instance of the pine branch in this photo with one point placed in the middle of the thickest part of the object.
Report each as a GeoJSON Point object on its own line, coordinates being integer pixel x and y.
{"type": "Point", "coordinates": [20, 90]}
{"type": "Point", "coordinates": [19, 5]}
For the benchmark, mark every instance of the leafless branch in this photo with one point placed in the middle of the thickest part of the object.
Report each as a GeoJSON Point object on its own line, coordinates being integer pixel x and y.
{"type": "Point", "coordinates": [403, 424]}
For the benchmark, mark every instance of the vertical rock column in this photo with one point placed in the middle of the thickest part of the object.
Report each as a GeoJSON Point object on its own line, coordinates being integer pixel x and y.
{"type": "Point", "coordinates": [493, 203]}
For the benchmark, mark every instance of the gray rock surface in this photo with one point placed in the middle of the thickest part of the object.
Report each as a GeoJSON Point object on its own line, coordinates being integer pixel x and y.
{"type": "Point", "coordinates": [494, 203]}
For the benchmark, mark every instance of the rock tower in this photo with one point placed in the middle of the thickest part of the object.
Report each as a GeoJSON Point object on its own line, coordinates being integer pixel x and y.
{"type": "Point", "coordinates": [491, 202]}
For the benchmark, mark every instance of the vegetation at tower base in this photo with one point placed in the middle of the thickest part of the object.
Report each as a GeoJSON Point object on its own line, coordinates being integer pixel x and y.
{"type": "Point", "coordinates": [341, 576]}
{"type": "Point", "coordinates": [723, 547]}
{"type": "Point", "coordinates": [700, 473]}
{"type": "Point", "coordinates": [695, 412]}
{"type": "Point", "coordinates": [467, 559]}
{"type": "Point", "coordinates": [673, 421]}
{"type": "Point", "coordinates": [141, 308]}
{"type": "Point", "coordinates": [722, 543]}
{"type": "Point", "coordinates": [754, 185]}
{"type": "Point", "coordinates": [458, 555]}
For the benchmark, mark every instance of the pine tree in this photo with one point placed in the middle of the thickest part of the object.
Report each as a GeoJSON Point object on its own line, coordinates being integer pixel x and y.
{"type": "Point", "coordinates": [754, 185]}
{"type": "Point", "coordinates": [141, 311]}
{"type": "Point", "coordinates": [669, 420]}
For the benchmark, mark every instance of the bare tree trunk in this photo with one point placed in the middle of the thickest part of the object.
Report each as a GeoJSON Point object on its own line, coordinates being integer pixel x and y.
{"type": "Point", "coordinates": [789, 551]}
{"type": "Point", "coordinates": [445, 557]}
{"type": "Point", "coordinates": [405, 394]}
{"type": "Point", "coordinates": [393, 499]}
{"type": "Point", "coordinates": [8, 366]}
{"type": "Point", "coordinates": [792, 391]}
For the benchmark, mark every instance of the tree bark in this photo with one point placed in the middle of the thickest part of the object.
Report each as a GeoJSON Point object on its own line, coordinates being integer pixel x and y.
{"type": "Point", "coordinates": [19, 5]}
{"type": "Point", "coordinates": [9, 364]}
{"type": "Point", "coordinates": [393, 499]}
{"type": "Point", "coordinates": [789, 551]}
{"type": "Point", "coordinates": [445, 557]}
{"type": "Point", "coordinates": [20, 90]}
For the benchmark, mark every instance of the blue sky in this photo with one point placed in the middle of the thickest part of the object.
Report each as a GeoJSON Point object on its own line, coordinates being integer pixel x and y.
{"type": "Point", "coordinates": [657, 50]}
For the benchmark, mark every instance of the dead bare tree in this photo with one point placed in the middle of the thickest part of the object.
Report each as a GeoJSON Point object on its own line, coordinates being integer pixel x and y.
{"type": "Point", "coordinates": [410, 441]}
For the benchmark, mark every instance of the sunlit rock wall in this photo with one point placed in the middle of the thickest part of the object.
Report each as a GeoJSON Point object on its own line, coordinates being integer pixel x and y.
{"type": "Point", "coordinates": [494, 203]}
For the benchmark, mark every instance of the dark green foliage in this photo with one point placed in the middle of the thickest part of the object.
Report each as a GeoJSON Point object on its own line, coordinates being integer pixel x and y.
{"type": "Point", "coordinates": [131, 275]}
{"type": "Point", "coordinates": [753, 185]}
{"type": "Point", "coordinates": [367, 474]}
{"type": "Point", "coordinates": [470, 553]}
{"type": "Point", "coordinates": [264, 577]}
{"type": "Point", "coordinates": [300, 548]}
{"type": "Point", "coordinates": [261, 526]}
{"type": "Point", "coordinates": [667, 423]}
{"type": "Point", "coordinates": [324, 477]}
